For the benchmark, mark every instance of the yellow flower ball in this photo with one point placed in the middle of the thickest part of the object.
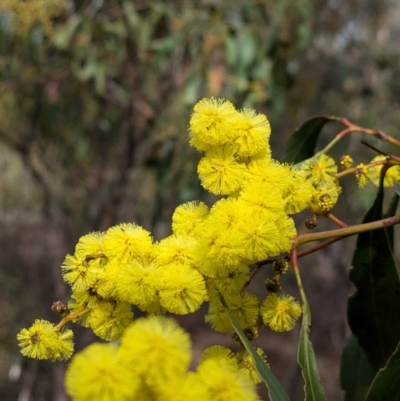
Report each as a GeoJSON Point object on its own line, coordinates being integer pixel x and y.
{"type": "Point", "coordinates": [96, 374]}
{"type": "Point", "coordinates": [43, 341]}
{"type": "Point", "coordinates": [280, 312]}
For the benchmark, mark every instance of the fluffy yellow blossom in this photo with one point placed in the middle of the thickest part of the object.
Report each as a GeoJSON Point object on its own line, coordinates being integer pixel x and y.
{"type": "Point", "coordinates": [319, 168]}
{"type": "Point", "coordinates": [156, 347]}
{"type": "Point", "coordinates": [220, 354]}
{"type": "Point", "coordinates": [126, 241]}
{"type": "Point", "coordinates": [270, 172]}
{"type": "Point", "coordinates": [248, 366]}
{"type": "Point", "coordinates": [253, 132]}
{"type": "Point", "coordinates": [106, 284]}
{"type": "Point", "coordinates": [264, 200]}
{"type": "Point", "coordinates": [90, 244]}
{"type": "Point", "coordinates": [79, 273]}
{"type": "Point", "coordinates": [297, 193]}
{"type": "Point", "coordinates": [230, 284]}
{"type": "Point", "coordinates": [220, 173]}
{"type": "Point", "coordinates": [181, 289]}
{"type": "Point", "coordinates": [287, 231]}
{"type": "Point", "coordinates": [135, 282]}
{"type": "Point", "coordinates": [96, 374]}
{"type": "Point", "coordinates": [223, 384]}
{"type": "Point", "coordinates": [188, 217]}
{"type": "Point", "coordinates": [228, 213]}
{"type": "Point", "coordinates": [392, 175]}
{"type": "Point", "coordinates": [211, 121]}
{"type": "Point", "coordinates": [280, 312]}
{"type": "Point", "coordinates": [184, 388]}
{"type": "Point", "coordinates": [294, 189]}
{"type": "Point", "coordinates": [108, 319]}
{"type": "Point", "coordinates": [217, 251]}
{"type": "Point", "coordinates": [259, 239]}
{"type": "Point", "coordinates": [176, 249]}
{"type": "Point", "coordinates": [263, 156]}
{"type": "Point", "coordinates": [43, 341]}
{"type": "Point", "coordinates": [244, 306]}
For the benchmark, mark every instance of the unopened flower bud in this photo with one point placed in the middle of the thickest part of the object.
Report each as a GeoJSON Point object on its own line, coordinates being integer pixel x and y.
{"type": "Point", "coordinates": [272, 285]}
{"type": "Point", "coordinates": [326, 203]}
{"type": "Point", "coordinates": [251, 333]}
{"type": "Point", "coordinates": [311, 222]}
{"type": "Point", "coordinates": [280, 266]}
{"type": "Point", "coordinates": [346, 161]}
{"type": "Point", "coordinates": [59, 308]}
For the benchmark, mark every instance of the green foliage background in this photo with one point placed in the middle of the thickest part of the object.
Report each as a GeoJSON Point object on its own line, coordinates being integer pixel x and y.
{"type": "Point", "coordinates": [93, 131]}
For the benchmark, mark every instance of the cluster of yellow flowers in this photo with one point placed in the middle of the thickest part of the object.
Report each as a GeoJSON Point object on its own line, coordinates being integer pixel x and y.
{"type": "Point", "coordinates": [372, 172]}
{"type": "Point", "coordinates": [207, 255]}
{"type": "Point", "coordinates": [320, 172]}
{"type": "Point", "coordinates": [151, 363]}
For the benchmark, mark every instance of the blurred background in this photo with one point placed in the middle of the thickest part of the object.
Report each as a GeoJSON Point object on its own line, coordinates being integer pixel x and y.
{"type": "Point", "coordinates": [95, 100]}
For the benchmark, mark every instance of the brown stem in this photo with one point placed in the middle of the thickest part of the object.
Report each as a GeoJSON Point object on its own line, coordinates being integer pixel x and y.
{"type": "Point", "coordinates": [252, 274]}
{"type": "Point", "coordinates": [352, 170]}
{"type": "Point", "coordinates": [294, 258]}
{"type": "Point", "coordinates": [374, 148]}
{"type": "Point", "coordinates": [335, 220]}
{"type": "Point", "coordinates": [321, 245]}
{"type": "Point", "coordinates": [347, 231]}
{"type": "Point", "coordinates": [385, 137]}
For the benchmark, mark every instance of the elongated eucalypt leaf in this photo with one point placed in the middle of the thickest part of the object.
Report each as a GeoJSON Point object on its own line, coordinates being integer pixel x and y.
{"type": "Point", "coordinates": [391, 211]}
{"type": "Point", "coordinates": [312, 383]}
{"type": "Point", "coordinates": [356, 373]}
{"type": "Point", "coordinates": [386, 384]}
{"type": "Point", "coordinates": [301, 145]}
{"type": "Point", "coordinates": [275, 390]}
{"type": "Point", "coordinates": [374, 309]}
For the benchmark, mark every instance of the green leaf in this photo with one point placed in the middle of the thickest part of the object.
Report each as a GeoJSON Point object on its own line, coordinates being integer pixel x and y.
{"type": "Point", "coordinates": [391, 212]}
{"type": "Point", "coordinates": [386, 385]}
{"type": "Point", "coordinates": [248, 47]}
{"type": "Point", "coordinates": [275, 390]}
{"type": "Point", "coordinates": [63, 35]}
{"type": "Point", "coordinates": [231, 50]}
{"type": "Point", "coordinates": [374, 309]}
{"type": "Point", "coordinates": [131, 14]}
{"type": "Point", "coordinates": [302, 143]}
{"type": "Point", "coordinates": [312, 383]}
{"type": "Point", "coordinates": [356, 373]}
